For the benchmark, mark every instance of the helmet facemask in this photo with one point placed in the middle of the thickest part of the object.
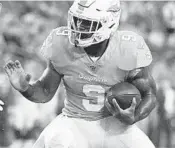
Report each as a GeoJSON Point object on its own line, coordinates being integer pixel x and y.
{"type": "Point", "coordinates": [87, 30]}
{"type": "Point", "coordinates": [82, 31]}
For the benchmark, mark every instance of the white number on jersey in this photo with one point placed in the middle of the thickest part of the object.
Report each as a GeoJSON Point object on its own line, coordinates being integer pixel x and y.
{"type": "Point", "coordinates": [96, 94]}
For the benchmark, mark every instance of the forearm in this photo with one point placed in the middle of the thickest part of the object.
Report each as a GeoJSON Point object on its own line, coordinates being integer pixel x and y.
{"type": "Point", "coordinates": [146, 106]}
{"type": "Point", "coordinates": [44, 89]}
{"type": "Point", "coordinates": [37, 93]}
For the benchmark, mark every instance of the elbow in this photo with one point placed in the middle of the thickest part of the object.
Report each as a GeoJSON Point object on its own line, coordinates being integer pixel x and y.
{"type": "Point", "coordinates": [150, 102]}
{"type": "Point", "coordinates": [154, 101]}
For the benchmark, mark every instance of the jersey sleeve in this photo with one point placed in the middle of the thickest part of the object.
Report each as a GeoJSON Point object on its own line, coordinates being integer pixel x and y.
{"type": "Point", "coordinates": [133, 52]}
{"type": "Point", "coordinates": [53, 43]}
{"type": "Point", "coordinates": [47, 47]}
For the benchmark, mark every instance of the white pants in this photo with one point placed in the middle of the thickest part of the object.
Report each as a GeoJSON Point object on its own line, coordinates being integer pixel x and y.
{"type": "Point", "coordinates": [65, 132]}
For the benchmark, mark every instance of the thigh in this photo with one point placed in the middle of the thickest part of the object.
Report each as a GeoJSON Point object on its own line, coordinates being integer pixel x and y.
{"type": "Point", "coordinates": [135, 138]}
{"type": "Point", "coordinates": [113, 129]}
{"type": "Point", "coordinates": [61, 133]}
{"type": "Point", "coordinates": [119, 135]}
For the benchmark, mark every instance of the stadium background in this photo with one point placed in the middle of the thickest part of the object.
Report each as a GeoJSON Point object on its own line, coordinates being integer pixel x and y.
{"type": "Point", "coordinates": [23, 28]}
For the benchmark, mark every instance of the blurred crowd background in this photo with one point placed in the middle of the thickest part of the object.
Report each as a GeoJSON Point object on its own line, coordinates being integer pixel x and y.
{"type": "Point", "coordinates": [23, 27]}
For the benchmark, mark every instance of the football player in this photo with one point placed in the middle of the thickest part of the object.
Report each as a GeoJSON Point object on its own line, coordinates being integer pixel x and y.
{"type": "Point", "coordinates": [90, 55]}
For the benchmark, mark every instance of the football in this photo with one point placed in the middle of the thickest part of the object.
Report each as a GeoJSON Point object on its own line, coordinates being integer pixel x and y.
{"type": "Point", "coordinates": [124, 93]}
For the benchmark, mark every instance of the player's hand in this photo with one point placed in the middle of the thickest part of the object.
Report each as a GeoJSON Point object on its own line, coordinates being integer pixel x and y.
{"type": "Point", "coordinates": [18, 78]}
{"type": "Point", "coordinates": [1, 104]}
{"type": "Point", "coordinates": [125, 115]}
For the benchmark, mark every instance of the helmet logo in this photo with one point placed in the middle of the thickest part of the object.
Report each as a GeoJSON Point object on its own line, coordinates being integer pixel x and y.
{"type": "Point", "coordinates": [83, 3]}
{"type": "Point", "coordinates": [114, 8]}
{"type": "Point", "coordinates": [86, 3]}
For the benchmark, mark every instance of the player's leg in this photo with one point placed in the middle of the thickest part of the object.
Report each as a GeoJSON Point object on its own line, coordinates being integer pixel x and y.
{"type": "Point", "coordinates": [113, 129]}
{"type": "Point", "coordinates": [119, 135]}
{"type": "Point", "coordinates": [135, 138]}
{"type": "Point", "coordinates": [61, 133]}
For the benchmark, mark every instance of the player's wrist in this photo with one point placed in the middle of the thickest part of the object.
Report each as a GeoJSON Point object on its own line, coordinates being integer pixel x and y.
{"type": "Point", "coordinates": [25, 85]}
{"type": "Point", "coordinates": [27, 92]}
{"type": "Point", "coordinates": [126, 119]}
{"type": "Point", "coordinates": [25, 88]}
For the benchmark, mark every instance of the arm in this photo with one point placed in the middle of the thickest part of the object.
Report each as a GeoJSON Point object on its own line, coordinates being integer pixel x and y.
{"type": "Point", "coordinates": [145, 83]}
{"type": "Point", "coordinates": [40, 91]}
{"type": "Point", "coordinates": [43, 89]}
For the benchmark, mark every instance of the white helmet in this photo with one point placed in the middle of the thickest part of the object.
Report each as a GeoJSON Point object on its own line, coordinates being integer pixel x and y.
{"type": "Point", "coordinates": [92, 21]}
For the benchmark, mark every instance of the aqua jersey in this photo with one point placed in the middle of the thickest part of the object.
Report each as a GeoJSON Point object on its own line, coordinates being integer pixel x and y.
{"type": "Point", "coordinates": [87, 81]}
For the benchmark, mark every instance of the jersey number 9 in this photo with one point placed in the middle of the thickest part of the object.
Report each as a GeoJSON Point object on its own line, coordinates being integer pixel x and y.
{"type": "Point", "coordinates": [95, 97]}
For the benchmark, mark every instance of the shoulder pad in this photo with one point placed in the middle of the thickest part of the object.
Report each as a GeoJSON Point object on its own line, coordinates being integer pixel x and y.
{"type": "Point", "coordinates": [133, 51]}
{"type": "Point", "coordinates": [56, 40]}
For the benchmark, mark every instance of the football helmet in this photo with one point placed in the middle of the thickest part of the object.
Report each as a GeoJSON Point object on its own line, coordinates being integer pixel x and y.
{"type": "Point", "coordinates": [92, 21]}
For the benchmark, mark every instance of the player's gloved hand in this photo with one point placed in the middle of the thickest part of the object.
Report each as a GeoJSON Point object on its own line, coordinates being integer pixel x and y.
{"type": "Point", "coordinates": [17, 76]}
{"type": "Point", "coordinates": [1, 104]}
{"type": "Point", "coordinates": [124, 115]}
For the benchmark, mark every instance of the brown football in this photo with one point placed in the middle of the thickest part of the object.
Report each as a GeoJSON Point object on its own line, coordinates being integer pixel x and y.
{"type": "Point", "coordinates": [124, 93]}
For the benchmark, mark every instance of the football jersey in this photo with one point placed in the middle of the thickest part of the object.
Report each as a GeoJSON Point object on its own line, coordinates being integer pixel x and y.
{"type": "Point", "coordinates": [85, 80]}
